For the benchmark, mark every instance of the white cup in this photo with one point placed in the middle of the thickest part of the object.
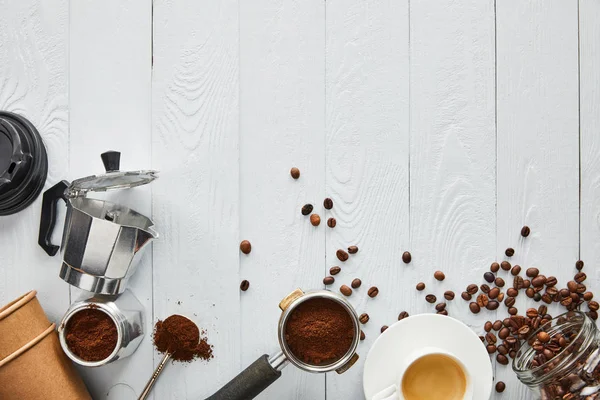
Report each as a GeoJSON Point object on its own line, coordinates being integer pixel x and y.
{"type": "Point", "coordinates": [425, 351]}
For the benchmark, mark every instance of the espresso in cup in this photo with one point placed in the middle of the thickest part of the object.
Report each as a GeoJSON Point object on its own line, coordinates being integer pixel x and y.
{"type": "Point", "coordinates": [434, 376]}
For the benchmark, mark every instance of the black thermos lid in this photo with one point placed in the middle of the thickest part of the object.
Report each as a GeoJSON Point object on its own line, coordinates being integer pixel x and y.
{"type": "Point", "coordinates": [23, 163]}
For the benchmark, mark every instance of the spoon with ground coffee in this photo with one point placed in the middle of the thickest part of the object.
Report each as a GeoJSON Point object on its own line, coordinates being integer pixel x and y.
{"type": "Point", "coordinates": [178, 338]}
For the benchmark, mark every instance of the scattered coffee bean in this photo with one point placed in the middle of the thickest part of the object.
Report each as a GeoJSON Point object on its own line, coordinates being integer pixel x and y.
{"type": "Point", "coordinates": [526, 283]}
{"type": "Point", "coordinates": [500, 297]}
{"type": "Point", "coordinates": [512, 292]}
{"type": "Point", "coordinates": [593, 315]}
{"type": "Point", "coordinates": [587, 296]}
{"type": "Point", "coordinates": [384, 328]}
{"type": "Point", "coordinates": [362, 335]}
{"type": "Point", "coordinates": [509, 302]}
{"type": "Point", "coordinates": [537, 297]}
{"type": "Point", "coordinates": [449, 295]}
{"type": "Point", "coordinates": [373, 291]}
{"type": "Point", "coordinates": [580, 277]}
{"type": "Point", "coordinates": [489, 277]}
{"type": "Point", "coordinates": [513, 311]}
{"type": "Point", "coordinates": [551, 281]}
{"type": "Point", "coordinates": [485, 288]}
{"type": "Point", "coordinates": [472, 288]}
{"type": "Point", "coordinates": [345, 290]}
{"type": "Point", "coordinates": [245, 247]}
{"type": "Point", "coordinates": [492, 305]}
{"type": "Point", "coordinates": [406, 257]}
{"type": "Point", "coordinates": [487, 326]}
{"type": "Point", "coordinates": [502, 349]}
{"type": "Point", "coordinates": [518, 282]}
{"type": "Point", "coordinates": [307, 209]}
{"type": "Point", "coordinates": [244, 285]}
{"type": "Point", "coordinates": [516, 270]}
{"type": "Point", "coordinates": [439, 275]}
{"type": "Point", "coordinates": [430, 298]}
{"type": "Point", "coordinates": [328, 203]}
{"type": "Point", "coordinates": [295, 173]}
{"type": "Point", "coordinates": [482, 339]}
{"type": "Point", "coordinates": [341, 255]}
{"type": "Point", "coordinates": [495, 267]}
{"type": "Point", "coordinates": [538, 281]}
{"type": "Point", "coordinates": [579, 265]}
{"type": "Point", "coordinates": [364, 318]}
{"type": "Point", "coordinates": [334, 270]}
{"type": "Point", "coordinates": [572, 286]}
{"type": "Point", "coordinates": [331, 222]}
{"type": "Point", "coordinates": [482, 300]}
{"type": "Point", "coordinates": [509, 252]}
{"type": "Point", "coordinates": [443, 312]}
{"type": "Point", "coordinates": [504, 332]}
{"type": "Point", "coordinates": [532, 272]}
{"type": "Point", "coordinates": [402, 315]}
{"type": "Point", "coordinates": [490, 338]}
{"type": "Point", "coordinates": [500, 386]}
{"type": "Point", "coordinates": [493, 293]}
{"type": "Point", "coordinates": [525, 231]}
{"type": "Point", "coordinates": [502, 359]}
{"type": "Point", "coordinates": [543, 337]}
{"type": "Point", "coordinates": [505, 265]}
{"type": "Point", "coordinates": [420, 286]}
{"type": "Point", "coordinates": [356, 283]}
{"type": "Point", "coordinates": [497, 325]}
{"type": "Point", "coordinates": [315, 220]}
{"type": "Point", "coordinates": [440, 306]}
{"type": "Point", "coordinates": [499, 282]}
{"type": "Point", "coordinates": [491, 348]}
{"type": "Point", "coordinates": [328, 280]}
{"type": "Point", "coordinates": [466, 296]}
{"type": "Point", "coordinates": [474, 307]}
{"type": "Point", "coordinates": [353, 249]}
{"type": "Point", "coordinates": [593, 305]}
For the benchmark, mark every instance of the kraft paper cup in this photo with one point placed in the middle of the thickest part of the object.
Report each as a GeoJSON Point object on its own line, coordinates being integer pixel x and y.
{"type": "Point", "coordinates": [32, 363]}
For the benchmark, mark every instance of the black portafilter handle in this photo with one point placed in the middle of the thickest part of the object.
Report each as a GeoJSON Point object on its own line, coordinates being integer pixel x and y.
{"type": "Point", "coordinates": [250, 382]}
{"type": "Point", "coordinates": [111, 160]}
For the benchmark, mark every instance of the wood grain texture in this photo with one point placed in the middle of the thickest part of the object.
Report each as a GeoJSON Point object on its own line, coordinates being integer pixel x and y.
{"type": "Point", "coordinates": [452, 152]}
{"type": "Point", "coordinates": [196, 200]}
{"type": "Point", "coordinates": [34, 83]}
{"type": "Point", "coordinates": [538, 161]}
{"type": "Point", "coordinates": [367, 103]}
{"type": "Point", "coordinates": [110, 88]}
{"type": "Point", "coordinates": [282, 84]}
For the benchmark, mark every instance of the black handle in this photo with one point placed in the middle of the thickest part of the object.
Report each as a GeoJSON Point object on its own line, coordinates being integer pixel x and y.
{"type": "Point", "coordinates": [111, 160]}
{"type": "Point", "coordinates": [48, 218]}
{"type": "Point", "coordinates": [250, 382]}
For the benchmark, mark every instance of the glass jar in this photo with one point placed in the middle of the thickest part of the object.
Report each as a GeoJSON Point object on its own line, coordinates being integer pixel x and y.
{"type": "Point", "coordinates": [574, 372]}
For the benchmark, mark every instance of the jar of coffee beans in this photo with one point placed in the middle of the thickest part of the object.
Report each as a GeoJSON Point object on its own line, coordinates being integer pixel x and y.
{"type": "Point", "coordinates": [561, 359]}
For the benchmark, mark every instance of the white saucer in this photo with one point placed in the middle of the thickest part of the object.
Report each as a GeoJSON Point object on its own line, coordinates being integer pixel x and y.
{"type": "Point", "coordinates": [447, 333]}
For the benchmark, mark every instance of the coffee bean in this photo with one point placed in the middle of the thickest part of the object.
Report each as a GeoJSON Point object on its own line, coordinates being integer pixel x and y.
{"type": "Point", "coordinates": [500, 386]}
{"type": "Point", "coordinates": [543, 337]}
{"type": "Point", "coordinates": [500, 297]}
{"type": "Point", "coordinates": [492, 305]}
{"type": "Point", "coordinates": [574, 297]}
{"type": "Point", "coordinates": [593, 306]}
{"type": "Point", "coordinates": [579, 265]}
{"type": "Point", "coordinates": [328, 203]}
{"type": "Point", "coordinates": [531, 313]}
{"type": "Point", "coordinates": [485, 288]}
{"type": "Point", "coordinates": [593, 315]}
{"type": "Point", "coordinates": [244, 285]}
{"type": "Point", "coordinates": [518, 282]}
{"type": "Point", "coordinates": [505, 265]}
{"type": "Point", "coordinates": [512, 292]}
{"type": "Point", "coordinates": [440, 306]}
{"type": "Point", "coordinates": [587, 296]}
{"type": "Point", "coordinates": [489, 277]}
{"type": "Point", "coordinates": [345, 290]}
{"type": "Point", "coordinates": [245, 247]}
{"type": "Point", "coordinates": [384, 328]}
{"type": "Point", "coordinates": [420, 286]}
{"type": "Point", "coordinates": [495, 267]}
{"type": "Point", "coordinates": [334, 270]}
{"type": "Point", "coordinates": [525, 231]}
{"type": "Point", "coordinates": [449, 295]}
{"type": "Point", "coordinates": [364, 318]}
{"type": "Point", "coordinates": [538, 281]}
{"type": "Point", "coordinates": [502, 359]}
{"type": "Point", "coordinates": [502, 349]}
{"type": "Point", "coordinates": [551, 291]}
{"type": "Point", "coordinates": [402, 315]}
{"type": "Point", "coordinates": [499, 282]}
{"type": "Point", "coordinates": [509, 252]}
{"type": "Point", "coordinates": [373, 291]}
{"type": "Point", "coordinates": [466, 296]}
{"type": "Point", "coordinates": [494, 292]}
{"type": "Point", "coordinates": [497, 325]}
{"type": "Point", "coordinates": [572, 286]}
{"type": "Point", "coordinates": [523, 331]}
{"type": "Point", "coordinates": [472, 288]}
{"type": "Point", "coordinates": [406, 257]}
{"type": "Point", "coordinates": [532, 272]}
{"type": "Point", "coordinates": [439, 275]}
{"type": "Point", "coordinates": [331, 222]}
{"type": "Point", "coordinates": [356, 283]}
{"type": "Point", "coordinates": [295, 173]}
{"type": "Point", "coordinates": [487, 326]}
{"type": "Point", "coordinates": [509, 302]}
{"type": "Point", "coordinates": [516, 270]}
{"type": "Point", "coordinates": [490, 338]}
{"type": "Point", "coordinates": [353, 249]}
{"type": "Point", "coordinates": [506, 322]}
{"type": "Point", "coordinates": [504, 332]}
{"type": "Point", "coordinates": [546, 298]}
{"type": "Point", "coordinates": [551, 281]}
{"type": "Point", "coordinates": [491, 348]}
{"type": "Point", "coordinates": [315, 220]}
{"type": "Point", "coordinates": [341, 255]}
{"type": "Point", "coordinates": [443, 312]}
{"type": "Point", "coordinates": [474, 307]}
{"type": "Point", "coordinates": [566, 301]}
{"type": "Point", "coordinates": [430, 298]}
{"type": "Point", "coordinates": [482, 300]}
{"type": "Point", "coordinates": [307, 209]}
{"type": "Point", "coordinates": [526, 283]}
{"type": "Point", "coordinates": [328, 280]}
{"type": "Point", "coordinates": [362, 335]}
{"type": "Point", "coordinates": [537, 297]}
{"type": "Point", "coordinates": [580, 277]}
{"type": "Point", "coordinates": [511, 340]}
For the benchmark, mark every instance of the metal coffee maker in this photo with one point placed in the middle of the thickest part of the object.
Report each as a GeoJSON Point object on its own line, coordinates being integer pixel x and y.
{"type": "Point", "coordinates": [102, 241]}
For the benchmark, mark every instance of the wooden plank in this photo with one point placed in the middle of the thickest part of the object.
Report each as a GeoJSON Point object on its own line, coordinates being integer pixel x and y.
{"type": "Point", "coordinates": [282, 85]}
{"type": "Point", "coordinates": [367, 173]}
{"type": "Point", "coordinates": [110, 88]}
{"type": "Point", "coordinates": [538, 149]}
{"type": "Point", "coordinates": [195, 202]}
{"type": "Point", "coordinates": [33, 83]}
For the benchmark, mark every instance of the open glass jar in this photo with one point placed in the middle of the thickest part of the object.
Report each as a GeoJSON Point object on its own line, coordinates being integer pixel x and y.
{"type": "Point", "coordinates": [565, 364]}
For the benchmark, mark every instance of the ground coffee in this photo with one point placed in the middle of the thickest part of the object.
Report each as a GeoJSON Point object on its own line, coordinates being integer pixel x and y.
{"type": "Point", "coordinates": [91, 334]}
{"type": "Point", "coordinates": [180, 336]}
{"type": "Point", "coordinates": [319, 331]}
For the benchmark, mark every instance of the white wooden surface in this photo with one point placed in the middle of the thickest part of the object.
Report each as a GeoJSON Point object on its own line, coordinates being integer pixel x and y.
{"type": "Point", "coordinates": [436, 127]}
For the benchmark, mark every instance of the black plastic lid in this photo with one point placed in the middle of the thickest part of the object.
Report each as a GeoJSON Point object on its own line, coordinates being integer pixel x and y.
{"type": "Point", "coordinates": [23, 163]}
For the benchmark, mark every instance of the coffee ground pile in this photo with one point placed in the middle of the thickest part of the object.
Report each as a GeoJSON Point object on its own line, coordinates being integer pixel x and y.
{"type": "Point", "coordinates": [180, 336]}
{"type": "Point", "coordinates": [91, 334]}
{"type": "Point", "coordinates": [319, 331]}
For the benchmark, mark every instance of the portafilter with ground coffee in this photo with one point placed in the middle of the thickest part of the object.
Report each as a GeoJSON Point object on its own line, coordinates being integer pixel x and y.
{"type": "Point", "coordinates": [318, 332]}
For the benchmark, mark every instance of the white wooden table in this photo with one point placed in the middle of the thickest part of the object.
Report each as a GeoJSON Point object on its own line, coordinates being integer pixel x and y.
{"type": "Point", "coordinates": [439, 127]}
